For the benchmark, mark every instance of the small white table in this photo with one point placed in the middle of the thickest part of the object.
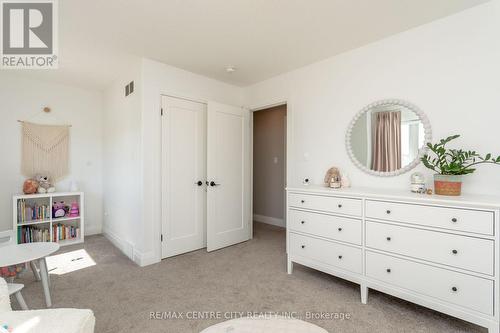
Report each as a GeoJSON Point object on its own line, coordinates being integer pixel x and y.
{"type": "Point", "coordinates": [15, 254]}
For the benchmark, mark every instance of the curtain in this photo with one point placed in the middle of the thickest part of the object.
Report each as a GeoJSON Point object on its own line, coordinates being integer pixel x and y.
{"type": "Point", "coordinates": [45, 150]}
{"type": "Point", "coordinates": [386, 149]}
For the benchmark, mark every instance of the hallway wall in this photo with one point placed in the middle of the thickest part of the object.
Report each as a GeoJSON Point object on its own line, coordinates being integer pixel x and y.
{"type": "Point", "coordinates": [269, 139]}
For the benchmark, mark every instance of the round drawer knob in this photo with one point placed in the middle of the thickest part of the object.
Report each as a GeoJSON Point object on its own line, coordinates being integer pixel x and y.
{"type": "Point", "coordinates": [339, 205]}
{"type": "Point", "coordinates": [388, 211]}
{"type": "Point", "coordinates": [454, 220]}
{"type": "Point", "coordinates": [303, 246]}
{"type": "Point", "coordinates": [340, 229]}
{"type": "Point", "coordinates": [340, 257]}
{"type": "Point", "coordinates": [454, 251]}
{"type": "Point", "coordinates": [454, 289]}
{"type": "Point", "coordinates": [302, 201]}
{"type": "Point", "coordinates": [388, 239]}
{"type": "Point", "coordinates": [388, 270]}
{"type": "Point", "coordinates": [302, 222]}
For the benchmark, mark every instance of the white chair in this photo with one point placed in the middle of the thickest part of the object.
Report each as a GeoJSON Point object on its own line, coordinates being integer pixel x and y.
{"type": "Point", "coordinates": [44, 321]}
{"type": "Point", "coordinates": [7, 237]}
{"type": "Point", "coordinates": [15, 289]}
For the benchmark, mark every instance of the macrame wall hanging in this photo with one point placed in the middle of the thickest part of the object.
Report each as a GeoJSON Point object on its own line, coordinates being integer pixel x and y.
{"type": "Point", "coordinates": [45, 150]}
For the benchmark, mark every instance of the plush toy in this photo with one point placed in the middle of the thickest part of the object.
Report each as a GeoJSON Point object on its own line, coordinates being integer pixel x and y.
{"type": "Point", "coordinates": [59, 209]}
{"type": "Point", "coordinates": [45, 186]}
{"type": "Point", "coordinates": [30, 186]}
{"type": "Point", "coordinates": [75, 210]}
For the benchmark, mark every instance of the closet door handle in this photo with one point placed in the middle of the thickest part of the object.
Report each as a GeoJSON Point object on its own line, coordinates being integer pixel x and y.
{"type": "Point", "coordinates": [212, 183]}
{"type": "Point", "coordinates": [199, 183]}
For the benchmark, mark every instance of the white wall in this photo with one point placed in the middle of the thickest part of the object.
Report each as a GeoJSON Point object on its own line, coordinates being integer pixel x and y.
{"type": "Point", "coordinates": [137, 147]}
{"type": "Point", "coordinates": [449, 68]}
{"type": "Point", "coordinates": [122, 160]}
{"type": "Point", "coordinates": [20, 98]}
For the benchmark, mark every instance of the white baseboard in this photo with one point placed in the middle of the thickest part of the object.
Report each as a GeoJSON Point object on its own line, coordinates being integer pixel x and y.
{"type": "Point", "coordinates": [126, 247]}
{"type": "Point", "coordinates": [269, 220]}
{"type": "Point", "coordinates": [144, 259]}
{"type": "Point", "coordinates": [140, 258]}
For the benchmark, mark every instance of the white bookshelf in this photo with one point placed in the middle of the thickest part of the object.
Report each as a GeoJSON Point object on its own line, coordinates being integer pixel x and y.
{"type": "Point", "coordinates": [47, 221]}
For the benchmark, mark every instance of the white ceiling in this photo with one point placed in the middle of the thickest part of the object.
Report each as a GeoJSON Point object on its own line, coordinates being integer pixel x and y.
{"type": "Point", "coordinates": [262, 38]}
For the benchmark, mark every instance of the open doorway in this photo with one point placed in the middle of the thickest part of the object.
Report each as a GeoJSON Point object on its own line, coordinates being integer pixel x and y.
{"type": "Point", "coordinates": [269, 170]}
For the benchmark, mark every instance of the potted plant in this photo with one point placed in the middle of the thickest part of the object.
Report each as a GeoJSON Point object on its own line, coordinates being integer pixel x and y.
{"type": "Point", "coordinates": [452, 164]}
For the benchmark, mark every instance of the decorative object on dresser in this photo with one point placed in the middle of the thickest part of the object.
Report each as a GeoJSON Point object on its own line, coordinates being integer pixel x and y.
{"type": "Point", "coordinates": [387, 137]}
{"type": "Point", "coordinates": [46, 218]}
{"type": "Point", "coordinates": [438, 252]}
{"type": "Point", "coordinates": [418, 182]}
{"type": "Point", "coordinates": [332, 178]}
{"type": "Point", "coordinates": [345, 181]}
{"type": "Point", "coordinates": [452, 164]}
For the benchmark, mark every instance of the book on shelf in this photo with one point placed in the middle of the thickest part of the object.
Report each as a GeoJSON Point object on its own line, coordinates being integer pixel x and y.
{"type": "Point", "coordinates": [27, 212]}
{"type": "Point", "coordinates": [31, 234]}
{"type": "Point", "coordinates": [62, 232]}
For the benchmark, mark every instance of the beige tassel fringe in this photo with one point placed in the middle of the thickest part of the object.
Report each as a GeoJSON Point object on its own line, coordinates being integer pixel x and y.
{"type": "Point", "coordinates": [45, 150]}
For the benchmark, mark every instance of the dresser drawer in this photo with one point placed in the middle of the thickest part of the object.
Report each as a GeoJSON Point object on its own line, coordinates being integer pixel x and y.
{"type": "Point", "coordinates": [328, 226]}
{"type": "Point", "coordinates": [327, 204]}
{"type": "Point", "coordinates": [470, 253]}
{"type": "Point", "coordinates": [467, 220]}
{"type": "Point", "coordinates": [461, 289]}
{"type": "Point", "coordinates": [329, 253]}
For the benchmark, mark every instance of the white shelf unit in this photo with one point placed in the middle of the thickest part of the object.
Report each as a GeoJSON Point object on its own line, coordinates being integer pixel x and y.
{"type": "Point", "coordinates": [48, 222]}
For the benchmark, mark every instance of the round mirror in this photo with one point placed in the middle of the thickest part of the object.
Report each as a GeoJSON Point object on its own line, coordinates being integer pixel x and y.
{"type": "Point", "coordinates": [387, 138]}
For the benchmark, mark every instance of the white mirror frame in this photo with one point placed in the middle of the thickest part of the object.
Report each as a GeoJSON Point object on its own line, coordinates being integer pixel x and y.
{"type": "Point", "coordinates": [421, 152]}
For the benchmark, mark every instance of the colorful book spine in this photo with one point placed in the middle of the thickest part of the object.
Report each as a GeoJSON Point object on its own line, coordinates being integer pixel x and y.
{"type": "Point", "coordinates": [62, 232]}
{"type": "Point", "coordinates": [31, 234]}
{"type": "Point", "coordinates": [31, 212]}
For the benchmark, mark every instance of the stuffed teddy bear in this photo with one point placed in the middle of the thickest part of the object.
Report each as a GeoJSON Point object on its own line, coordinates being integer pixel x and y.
{"type": "Point", "coordinates": [30, 186]}
{"type": "Point", "coordinates": [44, 184]}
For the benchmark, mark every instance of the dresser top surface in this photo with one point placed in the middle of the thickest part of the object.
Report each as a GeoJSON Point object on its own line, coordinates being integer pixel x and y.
{"type": "Point", "coordinates": [475, 200]}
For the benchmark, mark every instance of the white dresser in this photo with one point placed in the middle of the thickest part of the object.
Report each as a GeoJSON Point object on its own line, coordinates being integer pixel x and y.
{"type": "Point", "coordinates": [439, 252]}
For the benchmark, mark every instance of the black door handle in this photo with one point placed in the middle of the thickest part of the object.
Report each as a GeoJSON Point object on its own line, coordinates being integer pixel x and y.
{"type": "Point", "coordinates": [199, 183]}
{"type": "Point", "coordinates": [212, 183]}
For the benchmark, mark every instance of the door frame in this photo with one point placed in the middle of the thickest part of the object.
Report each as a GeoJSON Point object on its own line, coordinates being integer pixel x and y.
{"type": "Point", "coordinates": [288, 145]}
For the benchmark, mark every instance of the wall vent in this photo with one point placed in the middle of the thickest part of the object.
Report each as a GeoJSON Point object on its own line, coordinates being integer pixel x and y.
{"type": "Point", "coordinates": [129, 88]}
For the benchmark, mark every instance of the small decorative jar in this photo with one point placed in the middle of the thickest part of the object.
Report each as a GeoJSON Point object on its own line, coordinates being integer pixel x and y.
{"type": "Point", "coordinates": [417, 183]}
{"type": "Point", "coordinates": [335, 182]}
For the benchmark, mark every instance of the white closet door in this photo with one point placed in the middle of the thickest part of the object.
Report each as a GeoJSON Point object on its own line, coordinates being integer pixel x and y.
{"type": "Point", "coordinates": [228, 193]}
{"type": "Point", "coordinates": [183, 166]}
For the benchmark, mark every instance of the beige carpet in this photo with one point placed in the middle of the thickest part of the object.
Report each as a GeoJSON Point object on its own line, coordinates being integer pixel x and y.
{"type": "Point", "coordinates": [247, 277]}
